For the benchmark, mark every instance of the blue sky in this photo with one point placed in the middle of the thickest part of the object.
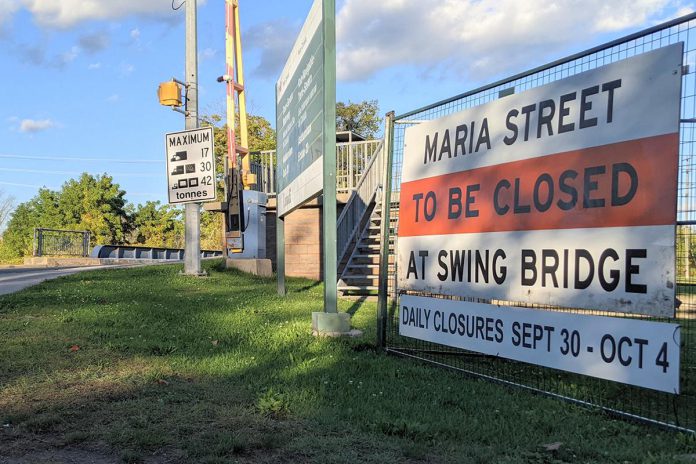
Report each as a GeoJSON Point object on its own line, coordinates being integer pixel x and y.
{"type": "Point", "coordinates": [79, 77]}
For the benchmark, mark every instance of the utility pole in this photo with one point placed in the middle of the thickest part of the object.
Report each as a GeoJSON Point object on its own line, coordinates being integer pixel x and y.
{"type": "Point", "coordinates": [192, 234]}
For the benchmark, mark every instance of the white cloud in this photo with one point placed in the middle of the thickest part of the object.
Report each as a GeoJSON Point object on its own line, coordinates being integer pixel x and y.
{"type": "Point", "coordinates": [483, 37]}
{"type": "Point", "coordinates": [126, 69]}
{"type": "Point", "coordinates": [93, 66]}
{"type": "Point", "coordinates": [113, 98]}
{"type": "Point", "coordinates": [207, 54]}
{"type": "Point", "coordinates": [274, 40]}
{"type": "Point", "coordinates": [683, 11]}
{"type": "Point", "coordinates": [135, 34]}
{"type": "Point", "coordinates": [35, 125]}
{"type": "Point", "coordinates": [69, 56]}
{"type": "Point", "coordinates": [66, 13]}
{"type": "Point", "coordinates": [7, 9]}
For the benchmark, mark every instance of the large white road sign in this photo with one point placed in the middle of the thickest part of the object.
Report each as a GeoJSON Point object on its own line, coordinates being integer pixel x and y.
{"type": "Point", "coordinates": [564, 195]}
{"type": "Point", "coordinates": [190, 166]}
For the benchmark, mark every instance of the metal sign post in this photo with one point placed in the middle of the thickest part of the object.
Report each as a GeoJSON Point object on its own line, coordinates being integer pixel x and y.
{"type": "Point", "coordinates": [192, 235]}
{"type": "Point", "coordinates": [383, 289]}
{"type": "Point", "coordinates": [329, 158]}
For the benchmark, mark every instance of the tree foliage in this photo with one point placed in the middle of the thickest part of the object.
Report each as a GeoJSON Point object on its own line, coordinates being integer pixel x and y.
{"type": "Point", "coordinates": [156, 225]}
{"type": "Point", "coordinates": [96, 204]}
{"type": "Point", "coordinates": [261, 135]}
{"type": "Point", "coordinates": [211, 231]}
{"type": "Point", "coordinates": [40, 211]}
{"type": "Point", "coordinates": [361, 118]}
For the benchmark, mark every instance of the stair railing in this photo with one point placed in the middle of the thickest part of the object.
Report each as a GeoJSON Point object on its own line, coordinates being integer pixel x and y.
{"type": "Point", "coordinates": [354, 211]}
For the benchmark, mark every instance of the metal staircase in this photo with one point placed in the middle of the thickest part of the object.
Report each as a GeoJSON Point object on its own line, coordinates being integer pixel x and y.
{"type": "Point", "coordinates": [360, 169]}
{"type": "Point", "coordinates": [361, 270]}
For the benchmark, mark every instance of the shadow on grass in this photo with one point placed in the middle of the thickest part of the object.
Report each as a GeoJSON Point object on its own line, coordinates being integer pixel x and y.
{"type": "Point", "coordinates": [357, 304]}
{"type": "Point", "coordinates": [309, 286]}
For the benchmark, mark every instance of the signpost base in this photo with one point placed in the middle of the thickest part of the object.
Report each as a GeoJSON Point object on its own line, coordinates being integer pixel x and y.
{"type": "Point", "coordinates": [259, 267]}
{"type": "Point", "coordinates": [332, 324]}
{"type": "Point", "coordinates": [194, 274]}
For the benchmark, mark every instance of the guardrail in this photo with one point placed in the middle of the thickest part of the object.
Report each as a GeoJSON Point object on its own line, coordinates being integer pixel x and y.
{"type": "Point", "coordinates": [141, 252]}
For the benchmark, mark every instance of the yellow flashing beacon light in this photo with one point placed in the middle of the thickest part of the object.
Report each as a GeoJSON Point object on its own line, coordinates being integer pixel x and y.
{"type": "Point", "coordinates": [169, 94]}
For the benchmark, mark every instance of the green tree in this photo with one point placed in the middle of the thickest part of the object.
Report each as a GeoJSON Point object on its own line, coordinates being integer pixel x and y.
{"type": "Point", "coordinates": [96, 204]}
{"type": "Point", "coordinates": [156, 225]}
{"type": "Point", "coordinates": [211, 231]}
{"type": "Point", "coordinates": [40, 211]}
{"type": "Point", "coordinates": [261, 135]}
{"type": "Point", "coordinates": [361, 118]}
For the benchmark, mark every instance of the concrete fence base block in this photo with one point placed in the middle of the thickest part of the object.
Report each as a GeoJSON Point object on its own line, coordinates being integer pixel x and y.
{"type": "Point", "coordinates": [331, 324]}
{"type": "Point", "coordinates": [259, 267]}
{"type": "Point", "coordinates": [49, 261]}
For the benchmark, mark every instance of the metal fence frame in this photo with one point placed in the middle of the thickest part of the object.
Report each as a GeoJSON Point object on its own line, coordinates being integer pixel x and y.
{"type": "Point", "coordinates": [677, 412]}
{"type": "Point", "coordinates": [56, 242]}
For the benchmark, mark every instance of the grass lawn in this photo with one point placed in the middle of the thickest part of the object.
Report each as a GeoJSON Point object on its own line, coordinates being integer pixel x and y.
{"type": "Point", "coordinates": [144, 365]}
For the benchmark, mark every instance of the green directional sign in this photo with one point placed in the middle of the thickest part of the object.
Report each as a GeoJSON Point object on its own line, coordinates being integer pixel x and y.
{"type": "Point", "coordinates": [306, 137]}
{"type": "Point", "coordinates": [300, 116]}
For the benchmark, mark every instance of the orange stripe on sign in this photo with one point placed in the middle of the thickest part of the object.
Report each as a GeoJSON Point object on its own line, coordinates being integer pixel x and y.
{"type": "Point", "coordinates": [622, 184]}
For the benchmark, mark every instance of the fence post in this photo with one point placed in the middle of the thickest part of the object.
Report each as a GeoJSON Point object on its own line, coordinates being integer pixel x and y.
{"type": "Point", "coordinates": [39, 242]}
{"type": "Point", "coordinates": [350, 166]}
{"type": "Point", "coordinates": [85, 244]}
{"type": "Point", "coordinates": [383, 283]}
{"type": "Point", "coordinates": [365, 156]}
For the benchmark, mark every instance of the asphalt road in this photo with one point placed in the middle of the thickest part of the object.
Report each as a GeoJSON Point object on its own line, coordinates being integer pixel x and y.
{"type": "Point", "coordinates": [18, 278]}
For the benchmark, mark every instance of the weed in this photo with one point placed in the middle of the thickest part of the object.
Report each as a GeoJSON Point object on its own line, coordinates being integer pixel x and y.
{"type": "Point", "coordinates": [272, 403]}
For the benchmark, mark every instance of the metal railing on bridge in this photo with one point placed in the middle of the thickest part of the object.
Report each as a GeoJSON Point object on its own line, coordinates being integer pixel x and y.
{"type": "Point", "coordinates": [56, 242]}
{"type": "Point", "coordinates": [352, 160]}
